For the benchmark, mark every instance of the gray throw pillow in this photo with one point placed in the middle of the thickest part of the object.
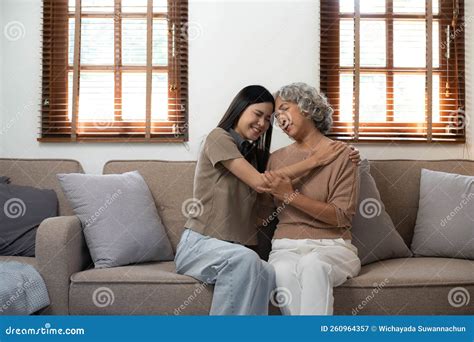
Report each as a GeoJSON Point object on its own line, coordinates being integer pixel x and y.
{"type": "Point", "coordinates": [445, 220]}
{"type": "Point", "coordinates": [4, 180]}
{"type": "Point", "coordinates": [22, 209]}
{"type": "Point", "coordinates": [373, 232]}
{"type": "Point", "coordinates": [119, 217]}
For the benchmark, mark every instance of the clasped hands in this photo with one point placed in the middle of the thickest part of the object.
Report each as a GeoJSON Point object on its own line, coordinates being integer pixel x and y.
{"type": "Point", "coordinates": [280, 185]}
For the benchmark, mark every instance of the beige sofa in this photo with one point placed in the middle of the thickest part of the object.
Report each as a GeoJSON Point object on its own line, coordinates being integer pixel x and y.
{"type": "Point", "coordinates": [397, 287]}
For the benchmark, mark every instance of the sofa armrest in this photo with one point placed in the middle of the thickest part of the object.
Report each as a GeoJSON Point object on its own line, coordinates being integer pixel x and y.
{"type": "Point", "coordinates": [61, 251]}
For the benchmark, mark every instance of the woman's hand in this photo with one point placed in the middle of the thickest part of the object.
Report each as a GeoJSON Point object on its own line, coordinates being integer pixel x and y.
{"type": "Point", "coordinates": [279, 187]}
{"type": "Point", "coordinates": [262, 183]}
{"type": "Point", "coordinates": [354, 155]}
{"type": "Point", "coordinates": [325, 156]}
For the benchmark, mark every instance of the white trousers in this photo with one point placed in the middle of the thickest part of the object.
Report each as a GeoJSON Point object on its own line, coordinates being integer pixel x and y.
{"type": "Point", "coordinates": [307, 270]}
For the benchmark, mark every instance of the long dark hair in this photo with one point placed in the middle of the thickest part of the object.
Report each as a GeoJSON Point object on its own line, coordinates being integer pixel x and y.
{"type": "Point", "coordinates": [248, 96]}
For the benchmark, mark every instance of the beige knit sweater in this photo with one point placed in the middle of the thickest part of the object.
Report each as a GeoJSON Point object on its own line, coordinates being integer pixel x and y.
{"type": "Point", "coordinates": [335, 183]}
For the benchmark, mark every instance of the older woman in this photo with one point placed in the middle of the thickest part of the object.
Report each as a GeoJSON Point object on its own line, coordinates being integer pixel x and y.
{"type": "Point", "coordinates": [311, 247]}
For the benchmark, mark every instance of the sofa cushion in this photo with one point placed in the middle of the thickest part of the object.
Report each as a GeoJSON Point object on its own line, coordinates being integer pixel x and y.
{"type": "Point", "coordinates": [414, 272]}
{"type": "Point", "coordinates": [119, 218]}
{"type": "Point", "coordinates": [23, 208]}
{"type": "Point", "coordinates": [445, 220]}
{"type": "Point", "coordinates": [373, 232]}
{"type": "Point", "coordinates": [170, 182]}
{"type": "Point", "coordinates": [41, 173]}
{"type": "Point", "coordinates": [398, 286]}
{"type": "Point", "coordinates": [410, 286]}
{"type": "Point", "coordinates": [398, 182]}
{"type": "Point", "coordinates": [146, 289]}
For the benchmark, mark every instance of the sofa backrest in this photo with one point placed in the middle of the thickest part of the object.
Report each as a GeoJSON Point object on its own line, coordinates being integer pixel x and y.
{"type": "Point", "coordinates": [41, 173]}
{"type": "Point", "coordinates": [171, 184]}
{"type": "Point", "coordinates": [399, 182]}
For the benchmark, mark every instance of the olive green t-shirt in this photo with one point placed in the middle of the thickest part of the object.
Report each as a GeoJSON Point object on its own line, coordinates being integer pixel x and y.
{"type": "Point", "coordinates": [228, 204]}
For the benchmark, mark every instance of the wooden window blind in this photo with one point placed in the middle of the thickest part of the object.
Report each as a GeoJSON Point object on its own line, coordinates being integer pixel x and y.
{"type": "Point", "coordinates": [114, 70]}
{"type": "Point", "coordinates": [393, 70]}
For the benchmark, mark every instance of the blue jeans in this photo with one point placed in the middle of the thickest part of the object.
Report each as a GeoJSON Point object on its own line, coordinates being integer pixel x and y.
{"type": "Point", "coordinates": [243, 282]}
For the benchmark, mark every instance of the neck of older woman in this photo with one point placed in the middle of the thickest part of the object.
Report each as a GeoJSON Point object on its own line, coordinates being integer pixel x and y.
{"type": "Point", "coordinates": [310, 138]}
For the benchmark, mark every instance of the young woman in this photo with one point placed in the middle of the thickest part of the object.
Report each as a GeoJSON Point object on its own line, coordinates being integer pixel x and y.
{"type": "Point", "coordinates": [229, 171]}
{"type": "Point", "coordinates": [311, 247]}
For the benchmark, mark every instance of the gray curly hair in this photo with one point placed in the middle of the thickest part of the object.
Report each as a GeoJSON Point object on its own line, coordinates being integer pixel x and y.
{"type": "Point", "coordinates": [310, 102]}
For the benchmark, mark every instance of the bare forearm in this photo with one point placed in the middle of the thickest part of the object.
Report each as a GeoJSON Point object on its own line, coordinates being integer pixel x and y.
{"type": "Point", "coordinates": [245, 171]}
{"type": "Point", "coordinates": [319, 210]}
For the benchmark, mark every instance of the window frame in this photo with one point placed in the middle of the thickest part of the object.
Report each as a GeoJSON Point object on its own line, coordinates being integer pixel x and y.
{"type": "Point", "coordinates": [390, 131]}
{"type": "Point", "coordinates": [55, 123]}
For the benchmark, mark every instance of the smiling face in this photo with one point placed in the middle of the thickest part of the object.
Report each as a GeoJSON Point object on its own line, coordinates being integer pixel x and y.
{"type": "Point", "coordinates": [291, 119]}
{"type": "Point", "coordinates": [254, 121]}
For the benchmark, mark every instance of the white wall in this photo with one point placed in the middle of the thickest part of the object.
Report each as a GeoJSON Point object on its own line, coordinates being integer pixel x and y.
{"type": "Point", "coordinates": [235, 43]}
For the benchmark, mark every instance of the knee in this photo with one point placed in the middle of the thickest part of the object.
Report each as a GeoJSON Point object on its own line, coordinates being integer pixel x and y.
{"type": "Point", "coordinates": [283, 268]}
{"type": "Point", "coordinates": [248, 259]}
